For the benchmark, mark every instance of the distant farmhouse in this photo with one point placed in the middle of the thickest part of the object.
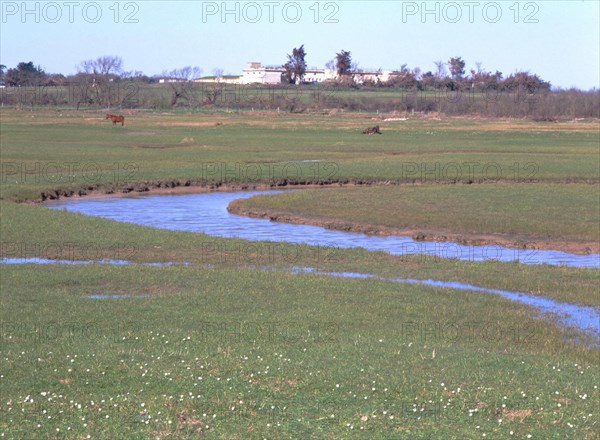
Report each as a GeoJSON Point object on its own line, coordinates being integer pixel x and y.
{"type": "Point", "coordinates": [256, 73]}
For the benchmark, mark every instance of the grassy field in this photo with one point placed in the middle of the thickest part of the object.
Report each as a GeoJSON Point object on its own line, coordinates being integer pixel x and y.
{"type": "Point", "coordinates": [240, 353]}
{"type": "Point", "coordinates": [223, 349]}
{"type": "Point", "coordinates": [74, 150]}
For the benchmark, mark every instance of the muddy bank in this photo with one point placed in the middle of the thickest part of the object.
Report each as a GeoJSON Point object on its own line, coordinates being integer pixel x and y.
{"type": "Point", "coordinates": [207, 213]}
{"type": "Point", "coordinates": [581, 248]}
{"type": "Point", "coordinates": [181, 186]}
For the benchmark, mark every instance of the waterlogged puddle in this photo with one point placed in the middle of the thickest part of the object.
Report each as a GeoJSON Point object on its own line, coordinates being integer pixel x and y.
{"type": "Point", "coordinates": [207, 212]}
{"type": "Point", "coordinates": [79, 262]}
{"type": "Point", "coordinates": [584, 318]}
{"type": "Point", "coordinates": [567, 315]}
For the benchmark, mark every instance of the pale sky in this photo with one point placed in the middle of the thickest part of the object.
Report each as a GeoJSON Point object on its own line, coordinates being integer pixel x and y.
{"type": "Point", "coordinates": [558, 40]}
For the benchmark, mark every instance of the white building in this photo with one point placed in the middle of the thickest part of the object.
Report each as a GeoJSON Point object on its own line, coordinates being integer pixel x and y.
{"type": "Point", "coordinates": [229, 79]}
{"type": "Point", "coordinates": [256, 73]}
{"type": "Point", "coordinates": [169, 80]}
{"type": "Point", "coordinates": [319, 75]}
{"type": "Point", "coordinates": [375, 76]}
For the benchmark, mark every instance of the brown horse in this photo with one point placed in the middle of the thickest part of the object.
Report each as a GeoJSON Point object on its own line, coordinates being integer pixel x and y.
{"type": "Point", "coordinates": [115, 119]}
{"type": "Point", "coordinates": [371, 130]}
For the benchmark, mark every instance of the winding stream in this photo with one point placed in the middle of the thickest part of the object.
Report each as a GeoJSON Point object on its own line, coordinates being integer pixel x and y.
{"type": "Point", "coordinates": [207, 213]}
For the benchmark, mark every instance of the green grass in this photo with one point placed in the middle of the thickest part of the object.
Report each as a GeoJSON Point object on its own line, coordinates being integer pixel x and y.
{"type": "Point", "coordinates": [262, 355]}
{"type": "Point", "coordinates": [519, 212]}
{"type": "Point", "coordinates": [181, 146]}
{"type": "Point", "coordinates": [271, 347]}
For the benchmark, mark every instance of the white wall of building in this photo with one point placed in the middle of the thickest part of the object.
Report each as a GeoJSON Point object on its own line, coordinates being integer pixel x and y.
{"type": "Point", "coordinates": [255, 73]}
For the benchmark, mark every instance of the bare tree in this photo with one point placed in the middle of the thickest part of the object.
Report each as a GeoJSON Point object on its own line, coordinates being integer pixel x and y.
{"type": "Point", "coordinates": [133, 74]}
{"type": "Point", "coordinates": [100, 74]}
{"type": "Point", "coordinates": [180, 81]}
{"type": "Point", "coordinates": [218, 74]}
{"type": "Point", "coordinates": [428, 80]}
{"type": "Point", "coordinates": [405, 78]}
{"type": "Point", "coordinates": [212, 92]}
{"type": "Point", "coordinates": [104, 66]}
{"type": "Point", "coordinates": [440, 70]}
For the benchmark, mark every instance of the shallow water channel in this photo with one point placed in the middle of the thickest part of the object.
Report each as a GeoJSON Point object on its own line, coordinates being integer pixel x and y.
{"type": "Point", "coordinates": [207, 213]}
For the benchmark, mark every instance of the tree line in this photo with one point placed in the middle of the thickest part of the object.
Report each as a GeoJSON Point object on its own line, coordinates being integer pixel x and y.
{"type": "Point", "coordinates": [96, 78]}
{"type": "Point", "coordinates": [448, 89]}
{"type": "Point", "coordinates": [450, 75]}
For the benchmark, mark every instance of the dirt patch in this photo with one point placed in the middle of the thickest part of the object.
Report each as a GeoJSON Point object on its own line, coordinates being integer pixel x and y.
{"type": "Point", "coordinates": [511, 414]}
{"type": "Point", "coordinates": [187, 124]}
{"type": "Point", "coordinates": [157, 147]}
{"type": "Point", "coordinates": [142, 133]}
{"type": "Point", "coordinates": [444, 152]}
{"type": "Point", "coordinates": [184, 143]}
